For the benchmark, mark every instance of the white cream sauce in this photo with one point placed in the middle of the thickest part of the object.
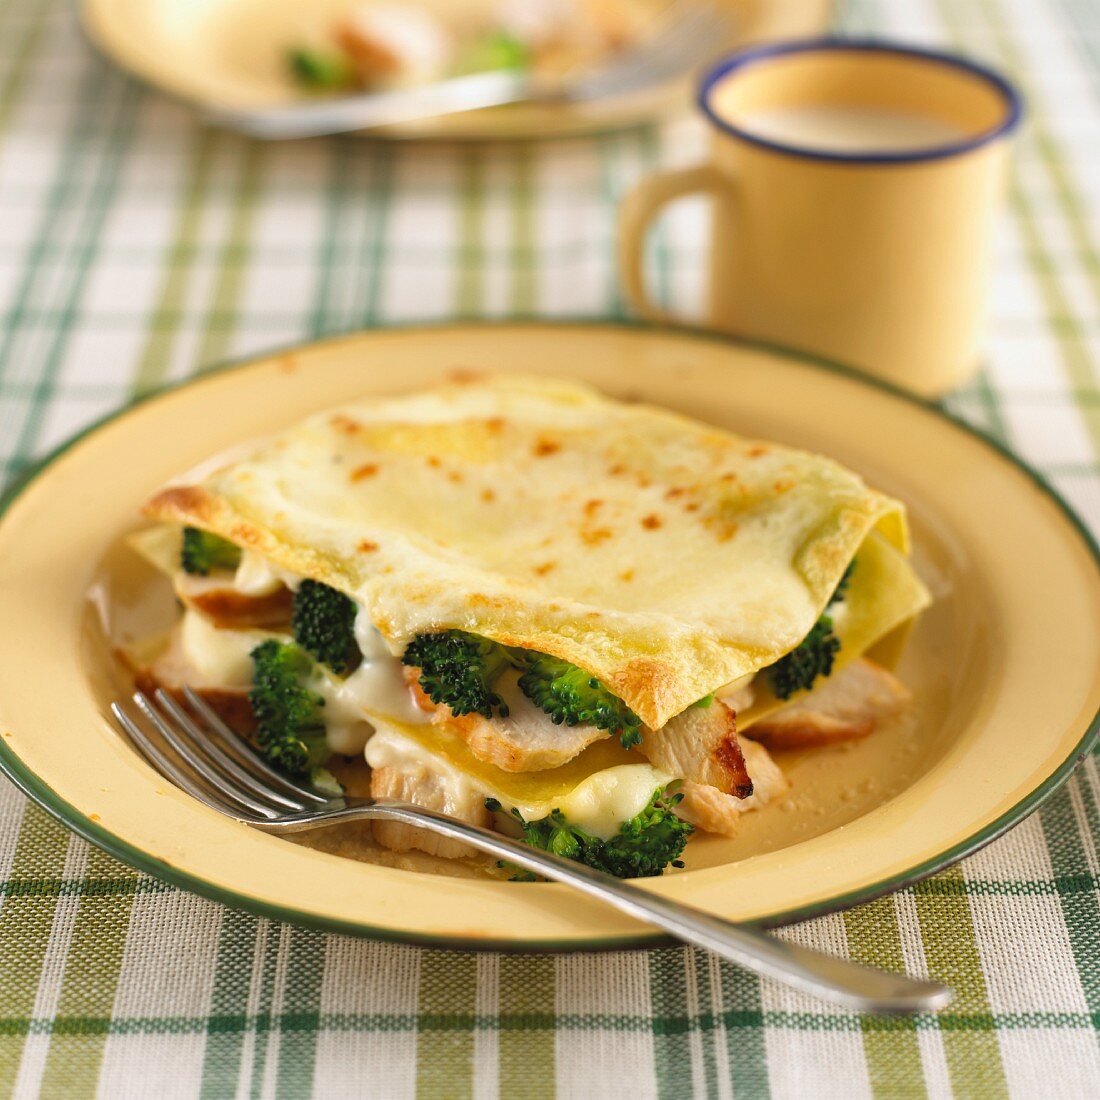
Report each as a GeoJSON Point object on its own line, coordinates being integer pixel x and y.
{"type": "Point", "coordinates": [220, 657]}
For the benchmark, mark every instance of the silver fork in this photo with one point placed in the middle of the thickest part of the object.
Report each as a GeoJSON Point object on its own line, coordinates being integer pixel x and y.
{"type": "Point", "coordinates": [200, 754]}
{"type": "Point", "coordinates": [689, 30]}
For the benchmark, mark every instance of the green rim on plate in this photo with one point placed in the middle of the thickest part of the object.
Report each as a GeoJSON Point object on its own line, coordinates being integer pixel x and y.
{"type": "Point", "coordinates": [36, 789]}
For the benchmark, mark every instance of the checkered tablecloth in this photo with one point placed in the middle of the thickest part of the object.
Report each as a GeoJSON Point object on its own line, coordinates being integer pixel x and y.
{"type": "Point", "coordinates": [136, 246]}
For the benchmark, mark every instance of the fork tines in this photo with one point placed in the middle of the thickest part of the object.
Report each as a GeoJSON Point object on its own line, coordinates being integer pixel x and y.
{"type": "Point", "coordinates": [194, 749]}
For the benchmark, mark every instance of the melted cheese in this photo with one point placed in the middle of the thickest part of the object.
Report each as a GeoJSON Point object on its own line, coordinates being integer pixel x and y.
{"type": "Point", "coordinates": [599, 803]}
{"type": "Point", "coordinates": [666, 557]}
{"type": "Point", "coordinates": [220, 657]}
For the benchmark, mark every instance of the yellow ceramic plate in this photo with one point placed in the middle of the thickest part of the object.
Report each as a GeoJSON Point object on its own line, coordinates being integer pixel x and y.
{"type": "Point", "coordinates": [228, 54]}
{"type": "Point", "coordinates": [1003, 665]}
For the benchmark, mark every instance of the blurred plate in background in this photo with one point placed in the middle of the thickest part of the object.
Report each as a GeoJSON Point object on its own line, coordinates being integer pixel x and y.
{"type": "Point", "coordinates": [231, 54]}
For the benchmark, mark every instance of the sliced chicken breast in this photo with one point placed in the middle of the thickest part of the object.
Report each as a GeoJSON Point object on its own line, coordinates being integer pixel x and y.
{"type": "Point", "coordinates": [848, 705]}
{"type": "Point", "coordinates": [701, 745]}
{"type": "Point", "coordinates": [526, 741]}
{"type": "Point", "coordinates": [228, 607]}
{"type": "Point", "coordinates": [714, 811]}
{"type": "Point", "coordinates": [412, 782]}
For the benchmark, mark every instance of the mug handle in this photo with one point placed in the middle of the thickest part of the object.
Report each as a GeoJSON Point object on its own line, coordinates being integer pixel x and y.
{"type": "Point", "coordinates": [639, 208]}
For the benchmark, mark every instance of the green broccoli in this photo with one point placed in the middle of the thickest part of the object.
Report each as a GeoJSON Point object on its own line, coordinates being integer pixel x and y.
{"type": "Point", "coordinates": [320, 70]}
{"type": "Point", "coordinates": [571, 695]}
{"type": "Point", "coordinates": [288, 715]}
{"type": "Point", "coordinates": [642, 847]}
{"type": "Point", "coordinates": [323, 622]}
{"type": "Point", "coordinates": [813, 657]}
{"type": "Point", "coordinates": [203, 551]}
{"type": "Point", "coordinates": [841, 589]}
{"type": "Point", "coordinates": [493, 52]}
{"type": "Point", "coordinates": [459, 669]}
{"type": "Point", "coordinates": [815, 654]}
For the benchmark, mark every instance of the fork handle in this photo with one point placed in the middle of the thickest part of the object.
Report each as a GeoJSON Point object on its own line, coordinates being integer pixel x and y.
{"type": "Point", "coordinates": [317, 118]}
{"type": "Point", "coordinates": [810, 971]}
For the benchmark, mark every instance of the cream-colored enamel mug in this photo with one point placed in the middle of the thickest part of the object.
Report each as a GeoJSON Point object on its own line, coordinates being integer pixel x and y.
{"type": "Point", "coordinates": [855, 185]}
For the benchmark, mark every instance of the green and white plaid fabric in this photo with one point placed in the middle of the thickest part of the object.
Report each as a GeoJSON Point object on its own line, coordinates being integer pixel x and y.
{"type": "Point", "coordinates": [136, 246]}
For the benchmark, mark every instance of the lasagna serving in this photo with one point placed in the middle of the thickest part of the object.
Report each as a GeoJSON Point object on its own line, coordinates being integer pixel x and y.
{"type": "Point", "coordinates": [540, 610]}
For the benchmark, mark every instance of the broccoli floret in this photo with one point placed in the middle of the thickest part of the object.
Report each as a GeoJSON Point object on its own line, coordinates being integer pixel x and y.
{"type": "Point", "coordinates": [288, 714]}
{"type": "Point", "coordinates": [815, 655]}
{"type": "Point", "coordinates": [572, 696]}
{"type": "Point", "coordinates": [203, 551]}
{"type": "Point", "coordinates": [642, 847]}
{"type": "Point", "coordinates": [323, 621]}
{"type": "Point", "coordinates": [812, 658]}
{"type": "Point", "coordinates": [320, 70]}
{"type": "Point", "coordinates": [493, 52]}
{"type": "Point", "coordinates": [459, 669]}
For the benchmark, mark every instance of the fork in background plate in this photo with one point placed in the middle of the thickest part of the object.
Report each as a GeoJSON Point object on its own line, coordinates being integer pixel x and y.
{"type": "Point", "coordinates": [689, 31]}
{"type": "Point", "coordinates": [200, 754]}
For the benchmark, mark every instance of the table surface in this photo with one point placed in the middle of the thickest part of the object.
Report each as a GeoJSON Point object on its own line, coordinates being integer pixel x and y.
{"type": "Point", "coordinates": [136, 246]}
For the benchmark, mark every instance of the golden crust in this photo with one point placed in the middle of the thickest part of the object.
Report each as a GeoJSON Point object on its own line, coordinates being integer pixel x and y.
{"type": "Point", "coordinates": [665, 557]}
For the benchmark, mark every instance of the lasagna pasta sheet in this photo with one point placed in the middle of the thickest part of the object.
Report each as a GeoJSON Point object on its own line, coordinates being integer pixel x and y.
{"type": "Point", "coordinates": [663, 555]}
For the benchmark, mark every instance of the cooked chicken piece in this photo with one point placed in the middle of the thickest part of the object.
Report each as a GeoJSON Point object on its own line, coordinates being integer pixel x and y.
{"type": "Point", "coordinates": [526, 741]}
{"type": "Point", "coordinates": [231, 706]}
{"type": "Point", "coordinates": [846, 706]}
{"type": "Point", "coordinates": [228, 607]}
{"type": "Point", "coordinates": [214, 663]}
{"type": "Point", "coordinates": [701, 746]}
{"type": "Point", "coordinates": [709, 809]}
{"type": "Point", "coordinates": [412, 782]}
{"type": "Point", "coordinates": [390, 43]}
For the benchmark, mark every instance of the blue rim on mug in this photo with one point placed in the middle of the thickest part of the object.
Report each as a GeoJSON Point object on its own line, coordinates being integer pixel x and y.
{"type": "Point", "coordinates": [753, 56]}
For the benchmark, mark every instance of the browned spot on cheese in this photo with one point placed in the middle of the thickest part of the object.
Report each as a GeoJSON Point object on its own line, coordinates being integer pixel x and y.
{"type": "Point", "coordinates": [360, 473]}
{"type": "Point", "coordinates": [784, 485]}
{"type": "Point", "coordinates": [495, 423]}
{"type": "Point", "coordinates": [651, 522]}
{"type": "Point", "coordinates": [545, 568]}
{"type": "Point", "coordinates": [367, 547]}
{"type": "Point", "coordinates": [756, 451]}
{"type": "Point", "coordinates": [626, 575]}
{"type": "Point", "coordinates": [595, 535]}
{"type": "Point", "coordinates": [434, 462]}
{"type": "Point", "coordinates": [591, 507]}
{"type": "Point", "coordinates": [692, 506]}
{"type": "Point", "coordinates": [674, 492]}
{"type": "Point", "coordinates": [464, 375]}
{"type": "Point", "coordinates": [617, 470]}
{"type": "Point", "coordinates": [723, 527]}
{"type": "Point", "coordinates": [288, 364]}
{"type": "Point", "coordinates": [488, 495]}
{"type": "Point", "coordinates": [188, 503]}
{"type": "Point", "coordinates": [544, 447]}
{"type": "Point", "coordinates": [344, 423]}
{"type": "Point", "coordinates": [94, 817]}
{"type": "Point", "coordinates": [480, 599]}
{"type": "Point", "coordinates": [455, 477]}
